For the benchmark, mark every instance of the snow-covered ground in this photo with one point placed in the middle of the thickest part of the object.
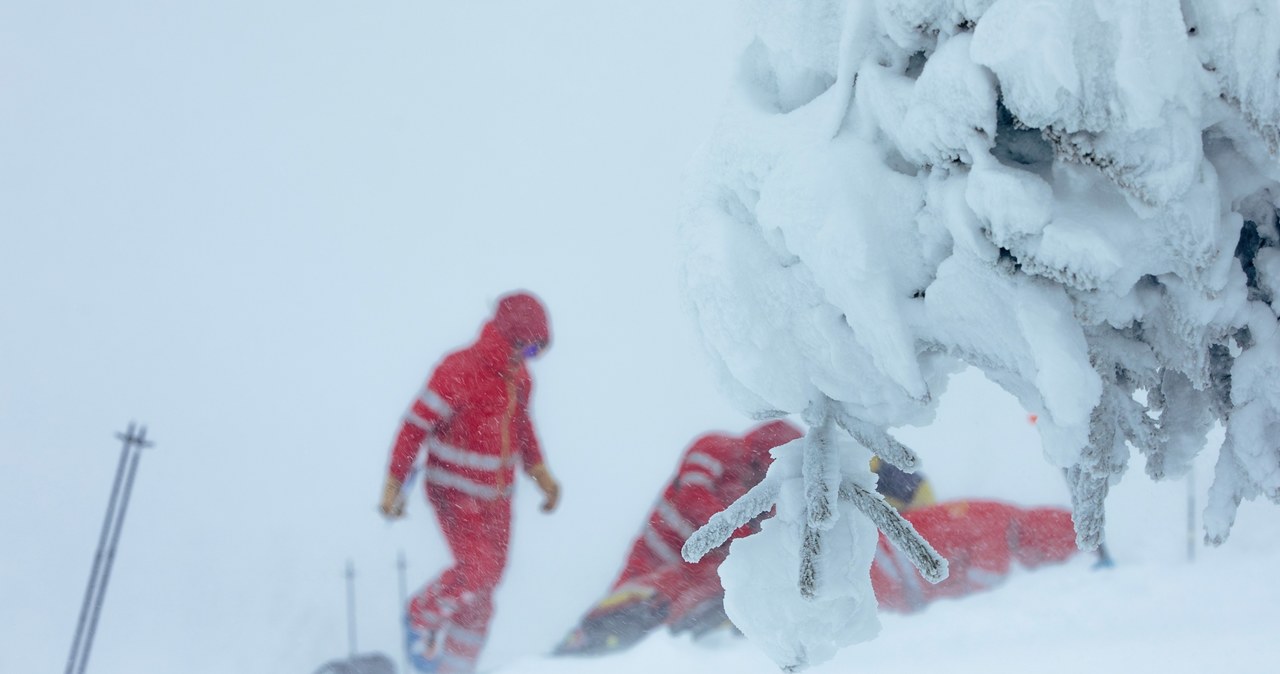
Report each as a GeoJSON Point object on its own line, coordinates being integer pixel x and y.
{"type": "Point", "coordinates": [1214, 615]}
{"type": "Point", "coordinates": [255, 226]}
{"type": "Point", "coordinates": [1155, 611]}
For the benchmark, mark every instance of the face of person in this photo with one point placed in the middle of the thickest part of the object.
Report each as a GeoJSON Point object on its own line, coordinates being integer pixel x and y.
{"type": "Point", "coordinates": [530, 350]}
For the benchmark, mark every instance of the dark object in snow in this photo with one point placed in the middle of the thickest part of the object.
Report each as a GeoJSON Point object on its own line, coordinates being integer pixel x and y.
{"type": "Point", "coordinates": [703, 619]}
{"type": "Point", "coordinates": [356, 663]}
{"type": "Point", "coordinates": [1104, 560]}
{"type": "Point", "coordinates": [617, 623]}
{"type": "Point", "coordinates": [367, 663]}
{"type": "Point", "coordinates": [686, 598]}
{"type": "Point", "coordinates": [902, 490]}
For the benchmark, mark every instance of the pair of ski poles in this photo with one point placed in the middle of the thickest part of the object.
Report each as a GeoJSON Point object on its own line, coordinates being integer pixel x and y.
{"type": "Point", "coordinates": [134, 439]}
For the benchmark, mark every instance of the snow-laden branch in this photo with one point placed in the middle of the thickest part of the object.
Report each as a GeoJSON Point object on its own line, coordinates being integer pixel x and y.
{"type": "Point", "coordinates": [828, 513]}
{"type": "Point", "coordinates": [931, 565]}
{"type": "Point", "coordinates": [821, 468]}
{"type": "Point", "coordinates": [758, 500]}
{"type": "Point", "coordinates": [879, 441]}
{"type": "Point", "coordinates": [818, 471]}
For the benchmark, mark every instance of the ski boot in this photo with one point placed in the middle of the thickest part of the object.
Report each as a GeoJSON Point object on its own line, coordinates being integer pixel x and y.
{"type": "Point", "coordinates": [425, 647]}
{"type": "Point", "coordinates": [618, 622]}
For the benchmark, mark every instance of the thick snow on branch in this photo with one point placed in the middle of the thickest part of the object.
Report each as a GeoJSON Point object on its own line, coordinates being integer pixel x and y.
{"type": "Point", "coordinates": [714, 533]}
{"type": "Point", "coordinates": [814, 556]}
{"type": "Point", "coordinates": [900, 532]}
{"type": "Point", "coordinates": [801, 587]}
{"type": "Point", "coordinates": [1077, 197]}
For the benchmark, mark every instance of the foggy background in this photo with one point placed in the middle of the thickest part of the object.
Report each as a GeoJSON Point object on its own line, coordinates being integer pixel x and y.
{"type": "Point", "coordinates": [256, 228]}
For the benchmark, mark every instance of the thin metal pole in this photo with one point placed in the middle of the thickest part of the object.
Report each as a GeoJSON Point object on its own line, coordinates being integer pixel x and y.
{"type": "Point", "coordinates": [351, 606]}
{"type": "Point", "coordinates": [140, 441]}
{"type": "Point", "coordinates": [401, 568]}
{"type": "Point", "coordinates": [89, 590]}
{"type": "Point", "coordinates": [1191, 514]}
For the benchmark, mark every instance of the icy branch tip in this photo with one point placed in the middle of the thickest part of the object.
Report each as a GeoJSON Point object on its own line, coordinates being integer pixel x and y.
{"type": "Point", "coordinates": [878, 441]}
{"type": "Point", "coordinates": [931, 565]}
{"type": "Point", "coordinates": [721, 526]}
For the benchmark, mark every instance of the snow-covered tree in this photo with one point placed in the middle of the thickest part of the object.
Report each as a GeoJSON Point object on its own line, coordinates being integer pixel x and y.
{"type": "Point", "coordinates": [1077, 197]}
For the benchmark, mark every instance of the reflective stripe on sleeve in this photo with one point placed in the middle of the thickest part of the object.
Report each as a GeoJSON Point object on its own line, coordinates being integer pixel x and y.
{"type": "Point", "coordinates": [412, 417]}
{"type": "Point", "coordinates": [435, 403]}
{"type": "Point", "coordinates": [428, 409]}
{"type": "Point", "coordinates": [712, 465]}
{"type": "Point", "coordinates": [673, 518]}
{"type": "Point", "coordinates": [699, 479]}
{"type": "Point", "coordinates": [660, 548]}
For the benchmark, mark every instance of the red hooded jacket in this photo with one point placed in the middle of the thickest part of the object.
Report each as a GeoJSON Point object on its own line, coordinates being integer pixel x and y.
{"type": "Point", "coordinates": [473, 413]}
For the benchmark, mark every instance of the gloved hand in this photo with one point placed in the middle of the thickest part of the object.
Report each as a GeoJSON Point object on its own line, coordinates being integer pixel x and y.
{"type": "Point", "coordinates": [392, 506]}
{"type": "Point", "coordinates": [550, 488]}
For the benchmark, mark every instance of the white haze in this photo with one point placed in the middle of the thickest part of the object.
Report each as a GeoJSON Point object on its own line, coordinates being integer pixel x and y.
{"type": "Point", "coordinates": [255, 227]}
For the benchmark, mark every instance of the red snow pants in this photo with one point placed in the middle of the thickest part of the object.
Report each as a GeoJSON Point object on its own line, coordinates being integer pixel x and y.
{"type": "Point", "coordinates": [981, 541]}
{"type": "Point", "coordinates": [459, 602]}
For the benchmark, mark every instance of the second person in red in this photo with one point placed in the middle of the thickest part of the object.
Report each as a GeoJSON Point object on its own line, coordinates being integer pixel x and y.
{"type": "Point", "coordinates": [656, 585]}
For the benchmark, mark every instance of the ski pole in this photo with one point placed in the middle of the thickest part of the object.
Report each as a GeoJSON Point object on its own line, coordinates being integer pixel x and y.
{"type": "Point", "coordinates": [1191, 514]}
{"type": "Point", "coordinates": [351, 608]}
{"type": "Point", "coordinates": [99, 592]}
{"type": "Point", "coordinates": [91, 590]}
{"type": "Point", "coordinates": [401, 573]}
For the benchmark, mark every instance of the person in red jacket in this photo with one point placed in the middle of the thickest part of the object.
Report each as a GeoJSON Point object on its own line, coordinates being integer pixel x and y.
{"type": "Point", "coordinates": [472, 419]}
{"type": "Point", "coordinates": [714, 472]}
{"type": "Point", "coordinates": [982, 540]}
{"type": "Point", "coordinates": [656, 585]}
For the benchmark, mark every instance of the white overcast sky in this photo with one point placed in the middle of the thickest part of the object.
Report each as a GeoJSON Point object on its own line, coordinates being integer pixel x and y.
{"type": "Point", "coordinates": [255, 226]}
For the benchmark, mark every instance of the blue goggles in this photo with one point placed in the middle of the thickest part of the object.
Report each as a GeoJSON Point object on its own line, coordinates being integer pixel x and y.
{"type": "Point", "coordinates": [531, 350]}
